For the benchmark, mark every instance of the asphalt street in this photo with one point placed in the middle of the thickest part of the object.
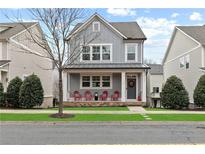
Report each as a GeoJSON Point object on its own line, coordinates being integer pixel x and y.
{"type": "Point", "coordinates": [102, 133]}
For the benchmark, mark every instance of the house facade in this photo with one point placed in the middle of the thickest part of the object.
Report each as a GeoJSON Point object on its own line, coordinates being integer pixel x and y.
{"type": "Point", "coordinates": [185, 56]}
{"type": "Point", "coordinates": [20, 56]}
{"type": "Point", "coordinates": [155, 81]}
{"type": "Point", "coordinates": [111, 60]}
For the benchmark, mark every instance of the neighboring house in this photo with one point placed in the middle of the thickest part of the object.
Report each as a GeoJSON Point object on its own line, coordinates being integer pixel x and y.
{"type": "Point", "coordinates": [155, 82]}
{"type": "Point", "coordinates": [20, 56]}
{"type": "Point", "coordinates": [112, 61]}
{"type": "Point", "coordinates": [185, 56]}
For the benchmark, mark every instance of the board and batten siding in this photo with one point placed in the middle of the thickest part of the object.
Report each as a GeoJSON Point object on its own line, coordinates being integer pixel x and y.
{"type": "Point", "coordinates": [107, 36]}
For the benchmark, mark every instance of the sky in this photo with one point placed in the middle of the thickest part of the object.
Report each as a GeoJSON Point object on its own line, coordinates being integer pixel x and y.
{"type": "Point", "coordinates": [157, 24]}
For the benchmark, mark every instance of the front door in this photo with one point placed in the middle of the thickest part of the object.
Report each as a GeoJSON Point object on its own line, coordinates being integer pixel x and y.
{"type": "Point", "coordinates": [131, 87]}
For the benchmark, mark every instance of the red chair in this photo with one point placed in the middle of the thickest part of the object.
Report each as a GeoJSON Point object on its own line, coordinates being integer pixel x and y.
{"type": "Point", "coordinates": [115, 96]}
{"type": "Point", "coordinates": [77, 95]}
{"type": "Point", "coordinates": [104, 95]}
{"type": "Point", "coordinates": [88, 95]}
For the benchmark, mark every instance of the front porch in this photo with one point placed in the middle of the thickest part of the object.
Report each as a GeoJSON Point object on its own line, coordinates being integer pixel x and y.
{"type": "Point", "coordinates": [130, 83]}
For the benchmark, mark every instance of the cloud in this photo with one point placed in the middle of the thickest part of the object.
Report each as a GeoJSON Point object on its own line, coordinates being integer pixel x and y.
{"type": "Point", "coordinates": [174, 15]}
{"type": "Point", "coordinates": [195, 16]}
{"type": "Point", "coordinates": [156, 27]}
{"type": "Point", "coordinates": [121, 12]}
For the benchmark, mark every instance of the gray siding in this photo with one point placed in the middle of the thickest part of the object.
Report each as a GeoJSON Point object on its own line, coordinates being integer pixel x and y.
{"type": "Point", "coordinates": [106, 36]}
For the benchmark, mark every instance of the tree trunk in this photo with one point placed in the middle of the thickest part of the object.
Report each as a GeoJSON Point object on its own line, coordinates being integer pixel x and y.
{"type": "Point", "coordinates": [60, 107]}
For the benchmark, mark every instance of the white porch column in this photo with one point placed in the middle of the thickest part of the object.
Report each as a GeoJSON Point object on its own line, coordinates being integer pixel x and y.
{"type": "Point", "coordinates": [0, 76]}
{"type": "Point", "coordinates": [144, 85]}
{"type": "Point", "coordinates": [123, 87]}
{"type": "Point", "coordinates": [68, 83]}
{"type": "Point", "coordinates": [65, 90]}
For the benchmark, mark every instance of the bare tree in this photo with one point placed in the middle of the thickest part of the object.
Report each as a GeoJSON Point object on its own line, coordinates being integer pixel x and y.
{"type": "Point", "coordinates": [57, 24]}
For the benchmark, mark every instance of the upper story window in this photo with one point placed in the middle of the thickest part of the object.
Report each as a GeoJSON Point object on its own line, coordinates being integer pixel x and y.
{"type": "Point", "coordinates": [187, 59]}
{"type": "Point", "coordinates": [97, 52]}
{"type": "Point", "coordinates": [96, 26]}
{"type": "Point", "coordinates": [131, 52]}
{"type": "Point", "coordinates": [86, 53]}
{"type": "Point", "coordinates": [181, 62]}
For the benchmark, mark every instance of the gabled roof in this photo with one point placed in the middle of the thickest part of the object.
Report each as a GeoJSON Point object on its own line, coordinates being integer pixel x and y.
{"type": "Point", "coordinates": [196, 33]}
{"type": "Point", "coordinates": [128, 30]}
{"type": "Point", "coordinates": [3, 62]}
{"type": "Point", "coordinates": [14, 28]}
{"type": "Point", "coordinates": [156, 69]}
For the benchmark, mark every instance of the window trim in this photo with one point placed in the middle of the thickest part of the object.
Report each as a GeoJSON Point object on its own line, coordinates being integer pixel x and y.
{"type": "Point", "coordinates": [187, 60]}
{"type": "Point", "coordinates": [181, 59]}
{"type": "Point", "coordinates": [136, 52]}
{"type": "Point", "coordinates": [91, 81]}
{"type": "Point", "coordinates": [98, 23]}
{"type": "Point", "coordinates": [101, 54]}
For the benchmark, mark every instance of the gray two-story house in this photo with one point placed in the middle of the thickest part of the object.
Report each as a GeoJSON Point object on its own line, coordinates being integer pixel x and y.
{"type": "Point", "coordinates": [110, 59]}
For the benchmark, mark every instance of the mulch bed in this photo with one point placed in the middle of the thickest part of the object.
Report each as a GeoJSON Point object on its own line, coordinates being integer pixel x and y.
{"type": "Point", "coordinates": [57, 115]}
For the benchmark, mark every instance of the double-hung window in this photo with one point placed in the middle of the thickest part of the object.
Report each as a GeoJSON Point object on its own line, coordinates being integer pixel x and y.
{"type": "Point", "coordinates": [96, 52]}
{"type": "Point", "coordinates": [106, 52]}
{"type": "Point", "coordinates": [155, 89]}
{"type": "Point", "coordinates": [131, 51]}
{"type": "Point", "coordinates": [181, 60]}
{"type": "Point", "coordinates": [105, 81]}
{"type": "Point", "coordinates": [96, 26]}
{"type": "Point", "coordinates": [86, 53]}
{"type": "Point", "coordinates": [187, 59]}
{"type": "Point", "coordinates": [96, 81]}
{"type": "Point", "coordinates": [85, 81]}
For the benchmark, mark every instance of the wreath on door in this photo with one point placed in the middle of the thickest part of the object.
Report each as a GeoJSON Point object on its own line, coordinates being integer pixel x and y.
{"type": "Point", "coordinates": [131, 83]}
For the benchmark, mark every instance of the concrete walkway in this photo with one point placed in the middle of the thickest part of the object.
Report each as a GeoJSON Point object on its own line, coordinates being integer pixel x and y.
{"type": "Point", "coordinates": [132, 110]}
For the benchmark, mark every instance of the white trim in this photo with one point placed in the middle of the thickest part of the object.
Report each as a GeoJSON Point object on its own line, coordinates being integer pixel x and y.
{"type": "Point", "coordinates": [171, 40]}
{"type": "Point", "coordinates": [24, 30]}
{"type": "Point", "coordinates": [3, 70]}
{"type": "Point", "coordinates": [64, 76]}
{"type": "Point", "coordinates": [93, 24]}
{"type": "Point", "coordinates": [188, 36]}
{"type": "Point", "coordinates": [98, 74]}
{"type": "Point", "coordinates": [182, 54]}
{"type": "Point", "coordinates": [90, 19]}
{"type": "Point", "coordinates": [202, 57]}
{"type": "Point", "coordinates": [45, 96]}
{"type": "Point", "coordinates": [136, 52]}
{"type": "Point", "coordinates": [104, 70]}
{"type": "Point", "coordinates": [123, 86]}
{"type": "Point", "coordinates": [101, 55]}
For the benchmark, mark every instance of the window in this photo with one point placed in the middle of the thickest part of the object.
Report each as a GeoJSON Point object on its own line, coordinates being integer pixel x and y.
{"type": "Point", "coordinates": [131, 51]}
{"type": "Point", "coordinates": [86, 81]}
{"type": "Point", "coordinates": [86, 53]}
{"type": "Point", "coordinates": [96, 26]}
{"type": "Point", "coordinates": [95, 81]}
{"type": "Point", "coordinates": [96, 52]}
{"type": "Point", "coordinates": [105, 81]}
{"type": "Point", "coordinates": [106, 52]}
{"type": "Point", "coordinates": [181, 62]}
{"type": "Point", "coordinates": [187, 61]}
{"type": "Point", "coordinates": [155, 89]}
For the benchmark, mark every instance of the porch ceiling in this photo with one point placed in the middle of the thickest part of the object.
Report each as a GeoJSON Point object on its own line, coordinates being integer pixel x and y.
{"type": "Point", "coordinates": [3, 62]}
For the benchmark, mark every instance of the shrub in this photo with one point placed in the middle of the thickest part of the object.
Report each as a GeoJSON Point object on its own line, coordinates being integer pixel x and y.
{"type": "Point", "coordinates": [2, 101]}
{"type": "Point", "coordinates": [31, 92]}
{"type": "Point", "coordinates": [199, 92]}
{"type": "Point", "coordinates": [174, 94]}
{"type": "Point", "coordinates": [13, 92]}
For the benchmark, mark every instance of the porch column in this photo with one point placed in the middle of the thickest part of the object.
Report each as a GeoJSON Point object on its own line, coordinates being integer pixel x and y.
{"type": "Point", "coordinates": [0, 76]}
{"type": "Point", "coordinates": [68, 88]}
{"type": "Point", "coordinates": [65, 90]}
{"type": "Point", "coordinates": [123, 90]}
{"type": "Point", "coordinates": [144, 87]}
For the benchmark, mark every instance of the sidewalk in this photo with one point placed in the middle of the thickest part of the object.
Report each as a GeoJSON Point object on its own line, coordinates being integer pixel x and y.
{"type": "Point", "coordinates": [132, 110]}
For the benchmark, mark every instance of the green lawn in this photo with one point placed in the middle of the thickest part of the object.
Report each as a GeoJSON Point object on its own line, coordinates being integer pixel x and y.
{"type": "Point", "coordinates": [77, 117]}
{"type": "Point", "coordinates": [95, 108]}
{"type": "Point", "coordinates": [157, 109]}
{"type": "Point", "coordinates": [177, 117]}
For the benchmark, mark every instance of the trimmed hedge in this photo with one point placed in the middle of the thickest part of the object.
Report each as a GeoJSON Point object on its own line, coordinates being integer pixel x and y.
{"type": "Point", "coordinates": [2, 101]}
{"type": "Point", "coordinates": [174, 94]}
{"type": "Point", "coordinates": [13, 92]}
{"type": "Point", "coordinates": [199, 92]}
{"type": "Point", "coordinates": [31, 92]}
